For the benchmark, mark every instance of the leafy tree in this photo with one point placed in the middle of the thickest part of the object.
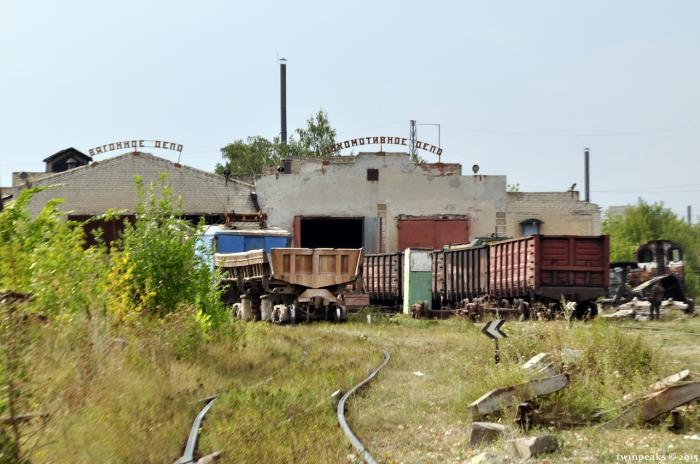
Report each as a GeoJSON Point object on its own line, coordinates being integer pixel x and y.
{"type": "Point", "coordinates": [645, 222]}
{"type": "Point", "coordinates": [249, 157]}
{"type": "Point", "coordinates": [252, 155]}
{"type": "Point", "coordinates": [317, 135]}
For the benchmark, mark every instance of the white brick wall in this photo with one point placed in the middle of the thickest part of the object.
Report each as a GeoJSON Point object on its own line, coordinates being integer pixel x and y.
{"type": "Point", "coordinates": [110, 184]}
{"type": "Point", "coordinates": [560, 213]}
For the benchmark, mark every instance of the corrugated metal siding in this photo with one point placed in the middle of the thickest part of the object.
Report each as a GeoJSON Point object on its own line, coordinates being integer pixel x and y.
{"type": "Point", "coordinates": [371, 235]}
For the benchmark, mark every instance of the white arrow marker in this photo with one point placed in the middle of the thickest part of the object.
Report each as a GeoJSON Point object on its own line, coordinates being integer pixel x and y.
{"type": "Point", "coordinates": [493, 330]}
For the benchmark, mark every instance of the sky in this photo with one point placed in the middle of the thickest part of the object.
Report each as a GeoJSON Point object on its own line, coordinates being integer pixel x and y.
{"type": "Point", "coordinates": [519, 88]}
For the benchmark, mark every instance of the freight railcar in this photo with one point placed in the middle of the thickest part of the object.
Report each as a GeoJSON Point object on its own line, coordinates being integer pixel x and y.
{"type": "Point", "coordinates": [382, 276]}
{"type": "Point", "coordinates": [538, 268]}
{"type": "Point", "coordinates": [550, 267]}
{"type": "Point", "coordinates": [459, 272]}
{"type": "Point", "coordinates": [289, 284]}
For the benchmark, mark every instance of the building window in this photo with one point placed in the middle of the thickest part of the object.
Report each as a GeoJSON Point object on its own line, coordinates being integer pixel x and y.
{"type": "Point", "coordinates": [530, 227]}
{"type": "Point", "coordinates": [373, 174]}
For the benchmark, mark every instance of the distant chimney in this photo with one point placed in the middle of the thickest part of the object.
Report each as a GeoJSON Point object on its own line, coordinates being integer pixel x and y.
{"type": "Point", "coordinates": [283, 100]}
{"type": "Point", "coordinates": [587, 169]}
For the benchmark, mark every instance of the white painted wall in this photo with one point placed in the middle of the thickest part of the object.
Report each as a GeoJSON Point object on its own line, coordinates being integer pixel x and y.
{"type": "Point", "coordinates": [340, 188]}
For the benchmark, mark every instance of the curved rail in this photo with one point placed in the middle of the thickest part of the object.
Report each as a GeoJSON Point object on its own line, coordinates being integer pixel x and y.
{"type": "Point", "coordinates": [356, 443]}
{"type": "Point", "coordinates": [188, 454]}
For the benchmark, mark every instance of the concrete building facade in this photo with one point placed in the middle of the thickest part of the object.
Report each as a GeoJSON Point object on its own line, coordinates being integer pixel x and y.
{"type": "Point", "coordinates": [386, 201]}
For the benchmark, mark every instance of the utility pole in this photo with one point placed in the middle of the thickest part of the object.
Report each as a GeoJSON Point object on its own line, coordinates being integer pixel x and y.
{"type": "Point", "coordinates": [690, 215]}
{"type": "Point", "coordinates": [412, 139]}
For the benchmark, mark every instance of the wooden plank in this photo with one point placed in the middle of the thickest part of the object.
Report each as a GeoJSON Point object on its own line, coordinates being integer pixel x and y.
{"type": "Point", "coordinates": [497, 399]}
{"type": "Point", "coordinates": [656, 404]}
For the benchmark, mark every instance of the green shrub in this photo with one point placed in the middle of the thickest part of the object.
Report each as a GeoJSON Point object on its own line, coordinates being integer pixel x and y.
{"type": "Point", "coordinates": [155, 265]}
{"type": "Point", "coordinates": [44, 256]}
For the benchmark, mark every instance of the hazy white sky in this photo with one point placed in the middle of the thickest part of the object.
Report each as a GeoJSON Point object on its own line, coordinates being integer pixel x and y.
{"type": "Point", "coordinates": [519, 87]}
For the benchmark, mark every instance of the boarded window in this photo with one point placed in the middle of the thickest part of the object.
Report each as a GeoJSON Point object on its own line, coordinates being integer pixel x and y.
{"type": "Point", "coordinates": [373, 174]}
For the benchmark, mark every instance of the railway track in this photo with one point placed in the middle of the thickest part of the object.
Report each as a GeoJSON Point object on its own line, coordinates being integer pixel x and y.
{"type": "Point", "coordinates": [356, 443]}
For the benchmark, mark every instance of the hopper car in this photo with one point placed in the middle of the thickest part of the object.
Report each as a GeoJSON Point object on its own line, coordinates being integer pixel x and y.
{"type": "Point", "coordinates": [289, 284]}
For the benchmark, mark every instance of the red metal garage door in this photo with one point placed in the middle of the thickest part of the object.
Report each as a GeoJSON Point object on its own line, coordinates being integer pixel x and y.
{"type": "Point", "coordinates": [432, 232]}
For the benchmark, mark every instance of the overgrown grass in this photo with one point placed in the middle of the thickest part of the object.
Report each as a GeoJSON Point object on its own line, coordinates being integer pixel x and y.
{"type": "Point", "coordinates": [130, 394]}
{"type": "Point", "coordinates": [407, 417]}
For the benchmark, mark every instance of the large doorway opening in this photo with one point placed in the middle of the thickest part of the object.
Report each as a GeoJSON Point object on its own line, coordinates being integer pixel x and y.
{"type": "Point", "coordinates": [330, 232]}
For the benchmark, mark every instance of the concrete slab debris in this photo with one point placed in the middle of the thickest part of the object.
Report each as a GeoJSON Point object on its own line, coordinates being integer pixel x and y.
{"type": "Point", "coordinates": [663, 383]}
{"type": "Point", "coordinates": [484, 433]}
{"type": "Point", "coordinates": [656, 404]}
{"type": "Point", "coordinates": [525, 448]}
{"type": "Point", "coordinates": [541, 365]}
{"type": "Point", "coordinates": [497, 399]}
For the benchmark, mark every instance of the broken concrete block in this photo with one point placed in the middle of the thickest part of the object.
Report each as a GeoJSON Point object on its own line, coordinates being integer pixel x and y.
{"type": "Point", "coordinates": [652, 406]}
{"type": "Point", "coordinates": [497, 399]}
{"type": "Point", "coordinates": [541, 365]}
{"type": "Point", "coordinates": [524, 448]}
{"type": "Point", "coordinates": [486, 432]}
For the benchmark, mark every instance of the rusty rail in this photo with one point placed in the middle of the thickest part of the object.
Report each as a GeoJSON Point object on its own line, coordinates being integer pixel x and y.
{"type": "Point", "coordinates": [188, 455]}
{"type": "Point", "coordinates": [356, 443]}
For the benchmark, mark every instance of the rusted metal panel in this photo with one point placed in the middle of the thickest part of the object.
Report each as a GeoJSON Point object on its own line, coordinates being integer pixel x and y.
{"type": "Point", "coordinates": [550, 266]}
{"type": "Point", "coordinates": [432, 232]}
{"type": "Point", "coordinates": [459, 273]}
{"type": "Point", "coordinates": [382, 274]}
{"type": "Point", "coordinates": [317, 267]}
{"type": "Point", "coordinates": [297, 231]}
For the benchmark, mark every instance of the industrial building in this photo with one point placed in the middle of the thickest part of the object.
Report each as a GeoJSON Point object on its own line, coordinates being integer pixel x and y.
{"type": "Point", "coordinates": [385, 202]}
{"type": "Point", "coordinates": [380, 201]}
{"type": "Point", "coordinates": [92, 189]}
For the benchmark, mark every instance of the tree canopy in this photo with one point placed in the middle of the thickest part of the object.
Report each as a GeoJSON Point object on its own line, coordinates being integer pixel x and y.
{"type": "Point", "coordinates": [251, 155]}
{"type": "Point", "coordinates": [644, 222]}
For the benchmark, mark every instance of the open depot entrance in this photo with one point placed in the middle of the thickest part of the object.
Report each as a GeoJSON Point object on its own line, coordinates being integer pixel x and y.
{"type": "Point", "coordinates": [329, 232]}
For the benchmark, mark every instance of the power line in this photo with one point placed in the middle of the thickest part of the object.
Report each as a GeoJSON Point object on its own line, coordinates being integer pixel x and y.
{"type": "Point", "coordinates": [574, 134]}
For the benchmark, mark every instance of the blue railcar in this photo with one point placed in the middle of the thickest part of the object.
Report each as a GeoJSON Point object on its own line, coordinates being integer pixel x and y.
{"type": "Point", "coordinates": [219, 239]}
